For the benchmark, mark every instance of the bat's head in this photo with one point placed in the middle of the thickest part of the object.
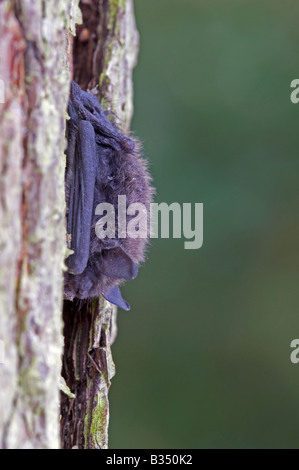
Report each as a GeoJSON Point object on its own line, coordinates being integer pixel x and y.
{"type": "Point", "coordinates": [104, 272]}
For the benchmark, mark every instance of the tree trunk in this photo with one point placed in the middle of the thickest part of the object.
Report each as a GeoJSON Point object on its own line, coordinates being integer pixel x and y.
{"type": "Point", "coordinates": [35, 77]}
{"type": "Point", "coordinates": [104, 54]}
{"type": "Point", "coordinates": [34, 88]}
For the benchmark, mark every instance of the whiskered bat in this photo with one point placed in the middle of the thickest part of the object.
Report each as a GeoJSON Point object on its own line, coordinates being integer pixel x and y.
{"type": "Point", "coordinates": [101, 164]}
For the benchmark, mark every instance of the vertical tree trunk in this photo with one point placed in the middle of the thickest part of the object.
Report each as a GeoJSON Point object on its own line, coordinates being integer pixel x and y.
{"type": "Point", "coordinates": [34, 87]}
{"type": "Point", "coordinates": [35, 75]}
{"type": "Point", "coordinates": [104, 54]}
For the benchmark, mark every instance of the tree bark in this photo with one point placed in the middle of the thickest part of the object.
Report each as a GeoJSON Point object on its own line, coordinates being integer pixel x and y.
{"type": "Point", "coordinates": [104, 55]}
{"type": "Point", "coordinates": [35, 77]}
{"type": "Point", "coordinates": [34, 88]}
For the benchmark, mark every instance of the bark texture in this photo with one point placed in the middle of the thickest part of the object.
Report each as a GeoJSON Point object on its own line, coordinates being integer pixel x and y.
{"type": "Point", "coordinates": [35, 75]}
{"type": "Point", "coordinates": [104, 55]}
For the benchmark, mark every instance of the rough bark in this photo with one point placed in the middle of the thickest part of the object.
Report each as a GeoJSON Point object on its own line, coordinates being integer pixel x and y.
{"type": "Point", "coordinates": [104, 54]}
{"type": "Point", "coordinates": [36, 78]}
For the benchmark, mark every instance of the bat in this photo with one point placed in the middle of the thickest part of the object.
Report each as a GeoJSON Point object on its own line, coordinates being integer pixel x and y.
{"type": "Point", "coordinates": [101, 164]}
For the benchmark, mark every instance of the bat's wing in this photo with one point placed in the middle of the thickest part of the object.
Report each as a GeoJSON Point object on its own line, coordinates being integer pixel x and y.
{"type": "Point", "coordinates": [81, 154]}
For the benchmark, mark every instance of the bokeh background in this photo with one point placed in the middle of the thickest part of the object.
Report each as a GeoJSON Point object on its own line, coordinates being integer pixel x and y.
{"type": "Point", "coordinates": [203, 357]}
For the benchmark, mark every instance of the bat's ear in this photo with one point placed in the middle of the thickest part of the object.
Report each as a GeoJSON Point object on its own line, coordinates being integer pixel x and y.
{"type": "Point", "coordinates": [114, 296]}
{"type": "Point", "coordinates": [116, 263]}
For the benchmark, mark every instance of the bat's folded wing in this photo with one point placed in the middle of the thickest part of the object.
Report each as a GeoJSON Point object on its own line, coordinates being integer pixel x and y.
{"type": "Point", "coordinates": [82, 185]}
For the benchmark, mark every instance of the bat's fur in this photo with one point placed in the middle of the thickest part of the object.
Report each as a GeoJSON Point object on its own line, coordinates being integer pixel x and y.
{"type": "Point", "coordinates": [119, 170]}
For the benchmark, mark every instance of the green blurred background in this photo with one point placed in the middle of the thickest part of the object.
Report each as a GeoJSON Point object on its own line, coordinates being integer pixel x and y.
{"type": "Point", "coordinates": [203, 357]}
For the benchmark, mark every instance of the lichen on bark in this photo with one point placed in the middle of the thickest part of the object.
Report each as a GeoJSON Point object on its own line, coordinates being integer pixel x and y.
{"type": "Point", "coordinates": [32, 122]}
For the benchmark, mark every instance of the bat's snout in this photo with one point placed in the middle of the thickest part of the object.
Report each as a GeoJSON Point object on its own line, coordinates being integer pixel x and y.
{"type": "Point", "coordinates": [80, 290]}
{"type": "Point", "coordinates": [83, 291]}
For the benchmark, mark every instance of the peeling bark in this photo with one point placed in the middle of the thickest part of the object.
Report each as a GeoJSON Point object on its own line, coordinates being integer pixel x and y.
{"type": "Point", "coordinates": [104, 54]}
{"type": "Point", "coordinates": [88, 368]}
